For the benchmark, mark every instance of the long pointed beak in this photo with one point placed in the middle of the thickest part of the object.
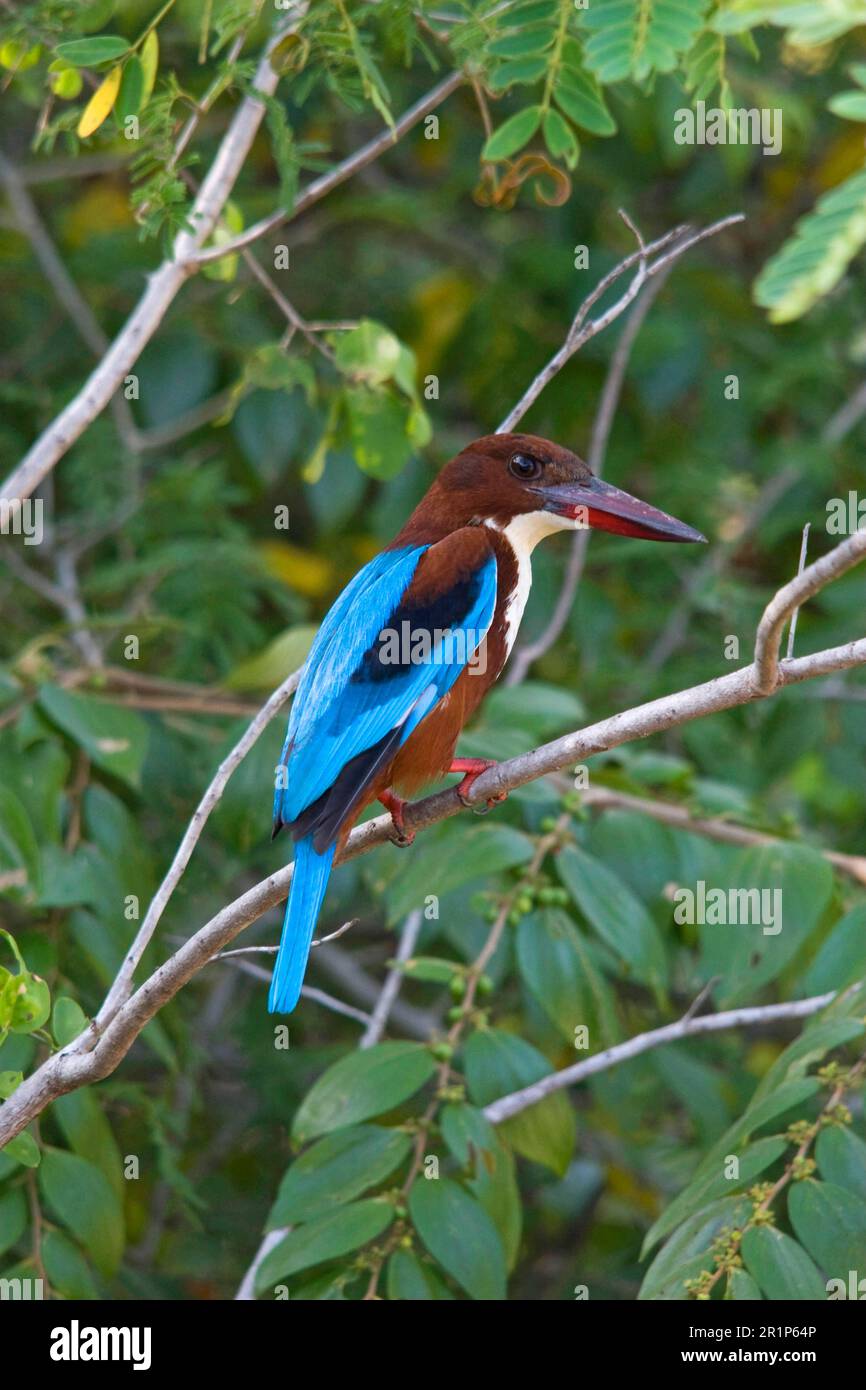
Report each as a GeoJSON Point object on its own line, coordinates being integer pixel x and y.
{"type": "Point", "coordinates": [599, 505]}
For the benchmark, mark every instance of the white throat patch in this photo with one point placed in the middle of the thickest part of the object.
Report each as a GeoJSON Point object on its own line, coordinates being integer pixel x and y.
{"type": "Point", "coordinates": [523, 534]}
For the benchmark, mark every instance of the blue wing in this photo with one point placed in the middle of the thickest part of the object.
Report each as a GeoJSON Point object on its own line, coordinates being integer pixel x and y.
{"type": "Point", "coordinates": [348, 629]}
{"type": "Point", "coordinates": [359, 701]}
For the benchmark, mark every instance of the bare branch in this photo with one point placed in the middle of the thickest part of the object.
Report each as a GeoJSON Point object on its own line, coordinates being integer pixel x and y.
{"type": "Point", "coordinates": [582, 331]}
{"type": "Point", "coordinates": [393, 980]}
{"type": "Point", "coordinates": [831, 566]}
{"type": "Point", "coordinates": [687, 1027]}
{"type": "Point", "coordinates": [320, 187]}
{"type": "Point", "coordinates": [725, 831]}
{"type": "Point", "coordinates": [526, 655]}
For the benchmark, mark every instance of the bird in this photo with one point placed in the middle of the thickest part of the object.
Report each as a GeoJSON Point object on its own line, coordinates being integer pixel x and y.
{"type": "Point", "coordinates": [412, 645]}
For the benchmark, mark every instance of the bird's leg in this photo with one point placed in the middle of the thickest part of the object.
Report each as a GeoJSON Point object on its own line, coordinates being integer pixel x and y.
{"type": "Point", "coordinates": [396, 805]}
{"type": "Point", "coordinates": [473, 768]}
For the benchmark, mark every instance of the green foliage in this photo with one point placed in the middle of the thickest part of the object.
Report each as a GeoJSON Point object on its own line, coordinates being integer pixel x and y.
{"type": "Point", "coordinates": [816, 257]}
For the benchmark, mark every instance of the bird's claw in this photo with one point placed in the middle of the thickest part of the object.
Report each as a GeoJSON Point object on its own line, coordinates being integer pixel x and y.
{"type": "Point", "coordinates": [402, 838]}
{"type": "Point", "coordinates": [488, 805]}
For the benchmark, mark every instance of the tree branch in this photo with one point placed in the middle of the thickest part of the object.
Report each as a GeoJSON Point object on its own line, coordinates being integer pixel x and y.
{"type": "Point", "coordinates": [581, 332]}
{"type": "Point", "coordinates": [714, 828]}
{"type": "Point", "coordinates": [687, 1027]}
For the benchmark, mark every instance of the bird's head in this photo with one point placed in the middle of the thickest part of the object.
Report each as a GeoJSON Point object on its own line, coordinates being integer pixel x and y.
{"type": "Point", "coordinates": [502, 478]}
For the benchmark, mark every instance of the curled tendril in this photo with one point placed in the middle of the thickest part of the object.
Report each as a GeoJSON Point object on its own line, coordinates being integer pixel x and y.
{"type": "Point", "coordinates": [552, 186]}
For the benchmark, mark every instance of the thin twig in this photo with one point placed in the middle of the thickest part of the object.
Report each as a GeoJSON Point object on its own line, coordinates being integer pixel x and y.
{"type": "Point", "coordinates": [792, 630]}
{"type": "Point", "coordinates": [687, 1027]}
{"type": "Point", "coordinates": [725, 831]}
{"type": "Point", "coordinates": [393, 980]}
{"type": "Point", "coordinates": [531, 652]}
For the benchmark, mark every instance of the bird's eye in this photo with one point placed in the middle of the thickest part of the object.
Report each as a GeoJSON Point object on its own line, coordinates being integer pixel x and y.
{"type": "Point", "coordinates": [524, 466]}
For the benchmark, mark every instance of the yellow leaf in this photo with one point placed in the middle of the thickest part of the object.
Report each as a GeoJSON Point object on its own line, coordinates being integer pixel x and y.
{"type": "Point", "coordinates": [306, 573]}
{"type": "Point", "coordinates": [149, 62]}
{"type": "Point", "coordinates": [100, 104]}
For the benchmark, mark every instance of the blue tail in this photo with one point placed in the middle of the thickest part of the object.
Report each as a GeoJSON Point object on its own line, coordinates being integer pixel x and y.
{"type": "Point", "coordinates": [309, 882]}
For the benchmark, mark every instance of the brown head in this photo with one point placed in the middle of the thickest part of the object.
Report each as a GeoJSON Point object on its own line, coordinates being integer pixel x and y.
{"type": "Point", "coordinates": [505, 476]}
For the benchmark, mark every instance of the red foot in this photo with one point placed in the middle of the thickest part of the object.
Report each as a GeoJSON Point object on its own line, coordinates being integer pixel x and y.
{"type": "Point", "coordinates": [473, 768]}
{"type": "Point", "coordinates": [396, 805]}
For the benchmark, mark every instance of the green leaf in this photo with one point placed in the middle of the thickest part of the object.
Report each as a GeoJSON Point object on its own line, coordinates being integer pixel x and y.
{"type": "Point", "coordinates": [551, 967]}
{"type": "Point", "coordinates": [534, 38]}
{"type": "Point", "coordinates": [430, 968]}
{"type": "Point", "coordinates": [741, 1286]}
{"type": "Point", "coordinates": [335, 1170]}
{"type": "Point", "coordinates": [512, 135]}
{"type": "Point", "coordinates": [9, 1083]}
{"type": "Point", "coordinates": [378, 431]}
{"type": "Point", "coordinates": [841, 959]}
{"type": "Point", "coordinates": [18, 845]}
{"type": "Point", "coordinates": [780, 1267]}
{"type": "Point", "coordinates": [491, 1171]}
{"type": "Point", "coordinates": [841, 1157]}
{"type": "Point", "coordinates": [362, 1085]}
{"type": "Point", "coordinates": [460, 1235]}
{"type": "Point", "coordinates": [82, 1198]}
{"type": "Point", "coordinates": [24, 1149]}
{"type": "Point", "coordinates": [131, 94]}
{"type": "Point", "coordinates": [850, 105]}
{"type": "Point", "coordinates": [579, 95]}
{"type": "Point", "coordinates": [408, 1279]}
{"type": "Point", "coordinates": [521, 70]}
{"type": "Point", "coordinates": [831, 1224]}
{"type": "Point", "coordinates": [795, 880]}
{"type": "Point", "coordinates": [87, 53]}
{"type": "Point", "coordinates": [68, 1020]}
{"type": "Point", "coordinates": [324, 1238]}
{"type": "Point", "coordinates": [817, 255]}
{"type": "Point", "coordinates": [560, 138]}
{"type": "Point", "coordinates": [88, 1133]}
{"type": "Point", "coordinates": [13, 1217]}
{"type": "Point", "coordinates": [149, 64]}
{"type": "Point", "coordinates": [113, 738]}
{"type": "Point", "coordinates": [498, 1063]}
{"type": "Point", "coordinates": [535, 707]}
{"type": "Point", "coordinates": [68, 1271]}
{"type": "Point", "coordinates": [620, 919]}
{"type": "Point", "coordinates": [370, 353]}
{"type": "Point", "coordinates": [266, 670]}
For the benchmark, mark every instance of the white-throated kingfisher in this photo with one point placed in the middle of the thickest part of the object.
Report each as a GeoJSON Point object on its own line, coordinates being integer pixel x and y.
{"type": "Point", "coordinates": [412, 645]}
